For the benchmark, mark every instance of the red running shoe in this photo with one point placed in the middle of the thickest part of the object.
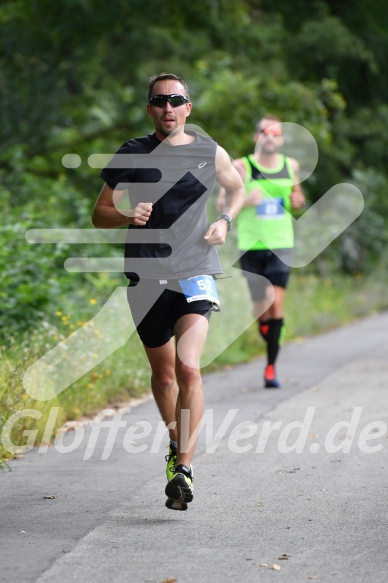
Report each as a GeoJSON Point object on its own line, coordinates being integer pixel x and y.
{"type": "Point", "coordinates": [270, 380]}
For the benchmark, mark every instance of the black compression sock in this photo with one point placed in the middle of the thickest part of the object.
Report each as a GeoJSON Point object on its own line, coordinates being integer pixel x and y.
{"type": "Point", "coordinates": [273, 338]}
{"type": "Point", "coordinates": [263, 328]}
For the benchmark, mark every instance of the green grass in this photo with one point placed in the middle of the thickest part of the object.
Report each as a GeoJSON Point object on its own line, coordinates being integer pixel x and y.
{"type": "Point", "coordinates": [313, 304]}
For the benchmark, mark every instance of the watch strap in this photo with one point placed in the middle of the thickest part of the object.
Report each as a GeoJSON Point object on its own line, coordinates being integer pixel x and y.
{"type": "Point", "coordinates": [228, 219]}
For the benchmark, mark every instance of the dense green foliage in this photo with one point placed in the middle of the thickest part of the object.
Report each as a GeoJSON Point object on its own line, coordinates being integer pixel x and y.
{"type": "Point", "coordinates": [73, 79]}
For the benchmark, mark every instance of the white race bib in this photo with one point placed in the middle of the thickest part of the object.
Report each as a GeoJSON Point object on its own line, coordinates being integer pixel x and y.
{"type": "Point", "coordinates": [200, 287]}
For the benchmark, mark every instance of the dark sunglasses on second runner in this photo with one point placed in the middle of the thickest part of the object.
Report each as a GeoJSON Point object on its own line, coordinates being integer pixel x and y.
{"type": "Point", "coordinates": [175, 99]}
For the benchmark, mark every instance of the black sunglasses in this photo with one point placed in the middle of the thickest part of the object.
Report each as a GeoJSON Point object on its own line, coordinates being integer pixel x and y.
{"type": "Point", "coordinates": [175, 99]}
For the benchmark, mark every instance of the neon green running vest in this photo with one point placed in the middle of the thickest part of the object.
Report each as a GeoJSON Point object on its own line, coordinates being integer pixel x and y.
{"type": "Point", "coordinates": [269, 224]}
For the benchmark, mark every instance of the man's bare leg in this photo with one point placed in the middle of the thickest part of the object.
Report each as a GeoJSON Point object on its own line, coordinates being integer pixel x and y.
{"type": "Point", "coordinates": [191, 331]}
{"type": "Point", "coordinates": [270, 309]}
{"type": "Point", "coordinates": [163, 383]}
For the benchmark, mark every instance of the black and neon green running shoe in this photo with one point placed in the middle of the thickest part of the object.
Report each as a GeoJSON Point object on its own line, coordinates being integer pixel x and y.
{"type": "Point", "coordinates": [180, 488]}
{"type": "Point", "coordinates": [175, 504]}
{"type": "Point", "coordinates": [171, 462]}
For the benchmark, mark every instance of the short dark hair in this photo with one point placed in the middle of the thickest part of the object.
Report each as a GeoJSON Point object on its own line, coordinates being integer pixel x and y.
{"type": "Point", "coordinates": [165, 77]}
{"type": "Point", "coordinates": [270, 117]}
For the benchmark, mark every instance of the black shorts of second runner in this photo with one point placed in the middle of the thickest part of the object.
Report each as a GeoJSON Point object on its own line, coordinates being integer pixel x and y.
{"type": "Point", "coordinates": [275, 268]}
{"type": "Point", "coordinates": [156, 307]}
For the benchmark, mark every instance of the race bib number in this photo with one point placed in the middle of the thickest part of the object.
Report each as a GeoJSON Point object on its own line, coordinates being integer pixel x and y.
{"type": "Point", "coordinates": [200, 287]}
{"type": "Point", "coordinates": [270, 208]}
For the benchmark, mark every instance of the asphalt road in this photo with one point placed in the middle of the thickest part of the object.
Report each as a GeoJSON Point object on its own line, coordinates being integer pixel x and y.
{"type": "Point", "coordinates": [290, 484]}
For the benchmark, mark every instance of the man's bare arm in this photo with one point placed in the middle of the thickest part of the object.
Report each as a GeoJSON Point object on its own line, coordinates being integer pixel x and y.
{"type": "Point", "coordinates": [297, 197]}
{"type": "Point", "coordinates": [230, 180]}
{"type": "Point", "coordinates": [240, 167]}
{"type": "Point", "coordinates": [107, 216]}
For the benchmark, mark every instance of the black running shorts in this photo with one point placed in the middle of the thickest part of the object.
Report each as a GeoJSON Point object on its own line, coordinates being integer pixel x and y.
{"type": "Point", "coordinates": [270, 266]}
{"type": "Point", "coordinates": [156, 307]}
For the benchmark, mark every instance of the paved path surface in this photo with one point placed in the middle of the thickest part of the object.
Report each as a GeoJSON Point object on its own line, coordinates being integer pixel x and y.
{"type": "Point", "coordinates": [308, 498]}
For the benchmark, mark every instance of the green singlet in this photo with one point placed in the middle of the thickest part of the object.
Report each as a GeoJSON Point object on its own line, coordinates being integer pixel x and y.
{"type": "Point", "coordinates": [269, 224]}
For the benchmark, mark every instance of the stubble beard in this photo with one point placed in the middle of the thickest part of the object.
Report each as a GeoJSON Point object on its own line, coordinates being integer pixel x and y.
{"type": "Point", "coordinates": [269, 150]}
{"type": "Point", "coordinates": [165, 132]}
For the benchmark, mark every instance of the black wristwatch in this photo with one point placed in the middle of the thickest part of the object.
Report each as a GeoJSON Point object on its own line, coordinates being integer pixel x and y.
{"type": "Point", "coordinates": [228, 219]}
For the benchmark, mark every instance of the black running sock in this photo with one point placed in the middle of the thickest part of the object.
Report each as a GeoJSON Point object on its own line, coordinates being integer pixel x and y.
{"type": "Point", "coordinates": [263, 326]}
{"type": "Point", "coordinates": [273, 338]}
